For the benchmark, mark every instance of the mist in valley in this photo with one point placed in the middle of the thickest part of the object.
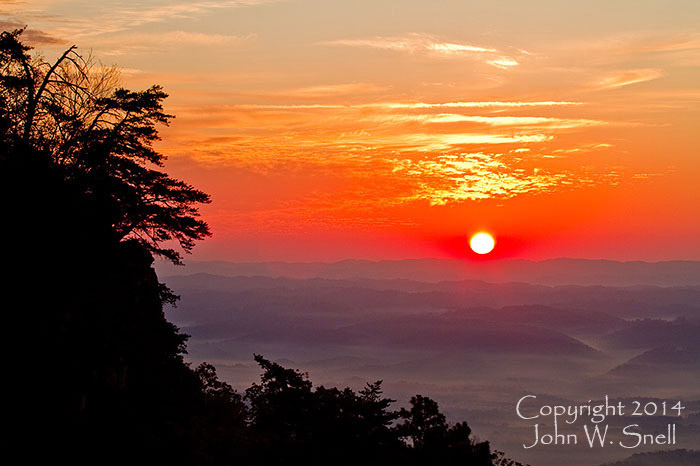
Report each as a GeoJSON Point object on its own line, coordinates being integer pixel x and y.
{"type": "Point", "coordinates": [476, 347]}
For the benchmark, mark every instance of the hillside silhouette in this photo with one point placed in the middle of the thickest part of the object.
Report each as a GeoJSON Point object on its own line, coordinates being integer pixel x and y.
{"type": "Point", "coordinates": [98, 374]}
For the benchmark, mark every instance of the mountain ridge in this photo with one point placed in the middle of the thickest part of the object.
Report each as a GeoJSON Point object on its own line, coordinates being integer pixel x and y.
{"type": "Point", "coordinates": [560, 271]}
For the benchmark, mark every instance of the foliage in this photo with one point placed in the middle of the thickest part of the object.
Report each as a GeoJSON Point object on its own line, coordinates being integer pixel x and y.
{"type": "Point", "coordinates": [102, 137]}
{"type": "Point", "coordinates": [291, 420]}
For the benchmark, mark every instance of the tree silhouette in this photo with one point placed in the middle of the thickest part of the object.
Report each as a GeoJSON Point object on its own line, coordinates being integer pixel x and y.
{"type": "Point", "coordinates": [425, 425]}
{"type": "Point", "coordinates": [291, 420]}
{"type": "Point", "coordinates": [435, 441]}
{"type": "Point", "coordinates": [101, 136]}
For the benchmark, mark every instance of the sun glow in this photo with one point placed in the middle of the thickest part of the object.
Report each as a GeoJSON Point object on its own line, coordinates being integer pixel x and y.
{"type": "Point", "coordinates": [482, 243]}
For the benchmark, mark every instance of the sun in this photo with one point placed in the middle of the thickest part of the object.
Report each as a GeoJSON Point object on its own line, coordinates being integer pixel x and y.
{"type": "Point", "coordinates": [482, 243]}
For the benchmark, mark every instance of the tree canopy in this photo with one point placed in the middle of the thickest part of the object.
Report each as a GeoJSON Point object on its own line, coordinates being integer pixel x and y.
{"type": "Point", "coordinates": [101, 136]}
{"type": "Point", "coordinates": [291, 420]}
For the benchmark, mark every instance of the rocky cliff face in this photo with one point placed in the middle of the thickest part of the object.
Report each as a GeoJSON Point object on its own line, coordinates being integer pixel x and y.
{"type": "Point", "coordinates": [96, 366]}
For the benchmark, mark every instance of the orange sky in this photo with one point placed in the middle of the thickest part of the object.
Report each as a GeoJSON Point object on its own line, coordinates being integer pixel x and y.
{"type": "Point", "coordinates": [376, 129]}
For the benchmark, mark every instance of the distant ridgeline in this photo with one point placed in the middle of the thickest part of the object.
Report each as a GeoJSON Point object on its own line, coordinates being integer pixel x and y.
{"type": "Point", "coordinates": [553, 272]}
{"type": "Point", "coordinates": [96, 372]}
{"type": "Point", "coordinates": [675, 458]}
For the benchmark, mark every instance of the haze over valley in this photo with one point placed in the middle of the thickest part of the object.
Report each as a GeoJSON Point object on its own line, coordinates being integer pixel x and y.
{"type": "Point", "coordinates": [427, 326]}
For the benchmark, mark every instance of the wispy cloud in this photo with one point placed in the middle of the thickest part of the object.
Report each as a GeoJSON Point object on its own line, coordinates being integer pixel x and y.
{"type": "Point", "coordinates": [519, 121]}
{"type": "Point", "coordinates": [674, 45]}
{"type": "Point", "coordinates": [640, 43]}
{"type": "Point", "coordinates": [437, 142]}
{"type": "Point", "coordinates": [34, 36]}
{"type": "Point", "coordinates": [100, 20]}
{"type": "Point", "coordinates": [122, 18]}
{"type": "Point", "coordinates": [327, 90]}
{"type": "Point", "coordinates": [193, 38]}
{"type": "Point", "coordinates": [143, 42]}
{"type": "Point", "coordinates": [389, 125]}
{"type": "Point", "coordinates": [583, 148]}
{"type": "Point", "coordinates": [383, 149]}
{"type": "Point", "coordinates": [381, 178]}
{"type": "Point", "coordinates": [475, 176]}
{"type": "Point", "coordinates": [427, 44]}
{"type": "Point", "coordinates": [463, 177]}
{"type": "Point", "coordinates": [456, 49]}
{"type": "Point", "coordinates": [478, 104]}
{"type": "Point", "coordinates": [413, 105]}
{"type": "Point", "coordinates": [626, 78]}
{"type": "Point", "coordinates": [503, 62]}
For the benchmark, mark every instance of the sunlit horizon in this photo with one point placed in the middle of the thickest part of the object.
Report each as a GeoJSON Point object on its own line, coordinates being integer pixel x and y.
{"type": "Point", "coordinates": [326, 131]}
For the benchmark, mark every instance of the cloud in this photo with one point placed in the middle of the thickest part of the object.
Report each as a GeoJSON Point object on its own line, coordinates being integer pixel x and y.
{"type": "Point", "coordinates": [110, 19]}
{"type": "Point", "coordinates": [382, 152]}
{"type": "Point", "coordinates": [194, 38]}
{"type": "Point", "coordinates": [33, 36]}
{"type": "Point", "coordinates": [456, 49]}
{"type": "Point", "coordinates": [329, 90]}
{"type": "Point", "coordinates": [475, 176]}
{"type": "Point", "coordinates": [641, 43]}
{"type": "Point", "coordinates": [379, 178]}
{"type": "Point", "coordinates": [412, 105]}
{"type": "Point", "coordinates": [380, 43]}
{"type": "Point", "coordinates": [437, 142]}
{"type": "Point", "coordinates": [626, 78]}
{"type": "Point", "coordinates": [133, 42]}
{"type": "Point", "coordinates": [429, 45]}
{"type": "Point", "coordinates": [519, 121]}
{"type": "Point", "coordinates": [583, 148]}
{"type": "Point", "coordinates": [388, 125]}
{"type": "Point", "coordinates": [127, 18]}
{"type": "Point", "coordinates": [479, 104]}
{"type": "Point", "coordinates": [503, 62]}
{"type": "Point", "coordinates": [691, 43]}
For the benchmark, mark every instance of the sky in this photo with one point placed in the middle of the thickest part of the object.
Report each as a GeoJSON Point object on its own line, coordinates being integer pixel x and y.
{"type": "Point", "coordinates": [387, 129]}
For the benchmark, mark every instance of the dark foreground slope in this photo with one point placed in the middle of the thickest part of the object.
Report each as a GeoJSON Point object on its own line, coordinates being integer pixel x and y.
{"type": "Point", "coordinates": [99, 371]}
